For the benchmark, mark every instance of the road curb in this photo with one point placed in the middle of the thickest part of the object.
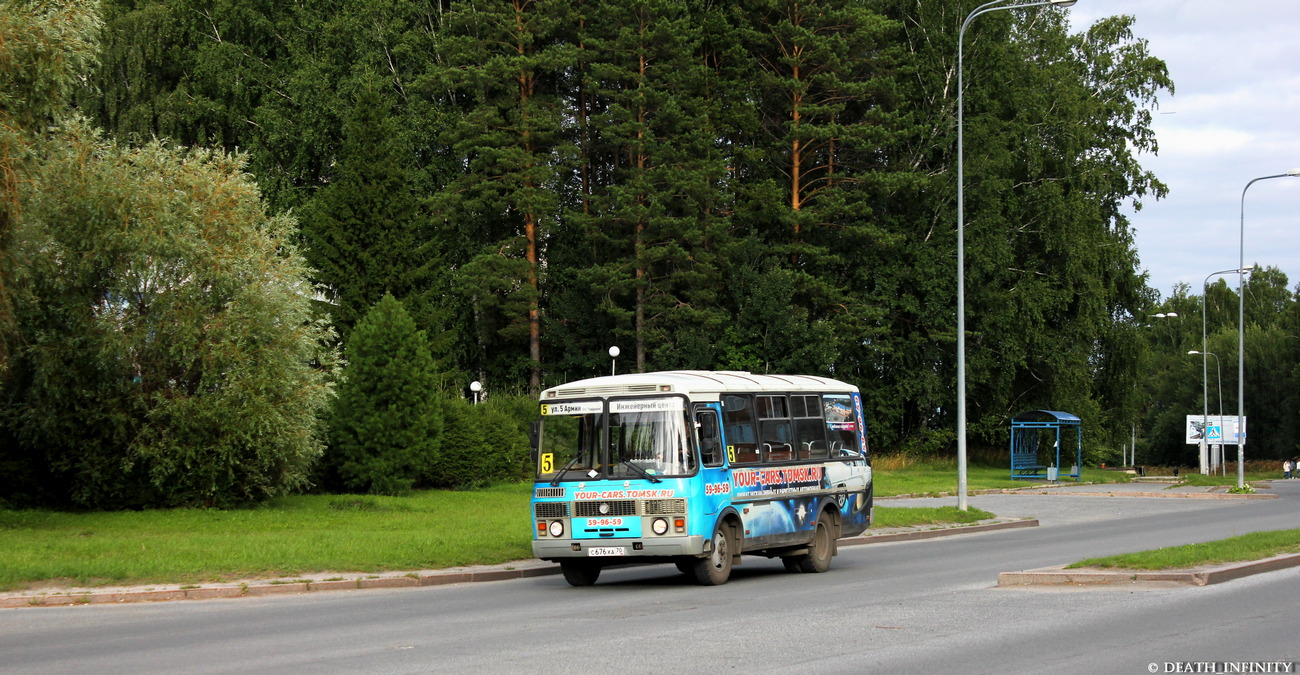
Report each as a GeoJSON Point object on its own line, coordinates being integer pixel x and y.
{"type": "Point", "coordinates": [913, 535]}
{"type": "Point", "coordinates": [1066, 490]}
{"type": "Point", "coordinates": [1161, 495]}
{"type": "Point", "coordinates": [516, 570]}
{"type": "Point", "coordinates": [1060, 576]}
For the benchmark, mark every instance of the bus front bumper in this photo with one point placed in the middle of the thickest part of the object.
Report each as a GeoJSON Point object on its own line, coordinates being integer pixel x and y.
{"type": "Point", "coordinates": [658, 547]}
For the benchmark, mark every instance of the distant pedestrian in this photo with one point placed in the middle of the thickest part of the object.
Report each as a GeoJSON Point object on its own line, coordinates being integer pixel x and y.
{"type": "Point", "coordinates": [1286, 469]}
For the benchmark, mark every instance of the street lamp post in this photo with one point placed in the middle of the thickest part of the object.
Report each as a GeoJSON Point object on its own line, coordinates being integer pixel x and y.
{"type": "Point", "coordinates": [613, 360]}
{"type": "Point", "coordinates": [1205, 375]}
{"type": "Point", "coordinates": [1241, 332]}
{"type": "Point", "coordinates": [961, 248]}
{"type": "Point", "coordinates": [475, 387]}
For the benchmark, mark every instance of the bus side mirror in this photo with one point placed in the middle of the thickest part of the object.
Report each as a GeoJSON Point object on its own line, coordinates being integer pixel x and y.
{"type": "Point", "coordinates": [534, 435]}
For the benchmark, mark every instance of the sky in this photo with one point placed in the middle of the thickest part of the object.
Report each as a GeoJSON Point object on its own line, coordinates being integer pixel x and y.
{"type": "Point", "coordinates": [1234, 116]}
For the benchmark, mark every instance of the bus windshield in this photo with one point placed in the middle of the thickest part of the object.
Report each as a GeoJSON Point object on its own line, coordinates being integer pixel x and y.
{"type": "Point", "coordinates": [644, 439]}
{"type": "Point", "coordinates": [649, 443]}
{"type": "Point", "coordinates": [569, 444]}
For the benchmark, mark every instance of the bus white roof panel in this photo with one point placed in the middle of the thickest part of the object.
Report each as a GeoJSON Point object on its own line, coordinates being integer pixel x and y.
{"type": "Point", "coordinates": [696, 381]}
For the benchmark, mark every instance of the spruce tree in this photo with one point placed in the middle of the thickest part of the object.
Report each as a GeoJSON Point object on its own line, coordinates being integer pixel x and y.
{"type": "Point", "coordinates": [384, 433]}
{"type": "Point", "coordinates": [365, 232]}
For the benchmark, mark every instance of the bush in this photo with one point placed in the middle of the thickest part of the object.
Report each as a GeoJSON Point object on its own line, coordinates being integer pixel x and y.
{"type": "Point", "coordinates": [484, 443]}
{"type": "Point", "coordinates": [168, 353]}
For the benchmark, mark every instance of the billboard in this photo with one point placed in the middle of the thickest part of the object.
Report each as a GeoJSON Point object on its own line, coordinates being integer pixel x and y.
{"type": "Point", "coordinates": [1215, 429]}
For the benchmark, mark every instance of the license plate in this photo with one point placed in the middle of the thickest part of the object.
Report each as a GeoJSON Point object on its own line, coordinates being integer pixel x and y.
{"type": "Point", "coordinates": [606, 551]}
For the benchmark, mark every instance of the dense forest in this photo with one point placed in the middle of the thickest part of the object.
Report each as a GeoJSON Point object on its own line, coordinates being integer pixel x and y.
{"type": "Point", "coordinates": [510, 187]}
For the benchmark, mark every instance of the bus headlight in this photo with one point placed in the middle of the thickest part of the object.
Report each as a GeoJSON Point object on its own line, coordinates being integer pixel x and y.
{"type": "Point", "coordinates": [557, 528]}
{"type": "Point", "coordinates": [660, 526]}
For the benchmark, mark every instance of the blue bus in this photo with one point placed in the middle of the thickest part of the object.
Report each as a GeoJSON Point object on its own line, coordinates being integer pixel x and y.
{"type": "Point", "coordinates": [697, 468]}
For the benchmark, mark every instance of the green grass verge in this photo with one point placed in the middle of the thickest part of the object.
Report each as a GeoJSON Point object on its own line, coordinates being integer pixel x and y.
{"type": "Point", "coordinates": [936, 477]}
{"type": "Point", "coordinates": [1229, 480]}
{"type": "Point", "coordinates": [1248, 547]}
{"type": "Point", "coordinates": [285, 538]}
{"type": "Point", "coordinates": [897, 516]}
{"type": "Point", "coordinates": [294, 536]}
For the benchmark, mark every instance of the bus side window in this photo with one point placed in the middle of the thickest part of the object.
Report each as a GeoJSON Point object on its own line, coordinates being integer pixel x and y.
{"type": "Point", "coordinates": [809, 429]}
{"type": "Point", "coordinates": [710, 438]}
{"type": "Point", "coordinates": [841, 424]}
{"type": "Point", "coordinates": [774, 429]}
{"type": "Point", "coordinates": [738, 418]}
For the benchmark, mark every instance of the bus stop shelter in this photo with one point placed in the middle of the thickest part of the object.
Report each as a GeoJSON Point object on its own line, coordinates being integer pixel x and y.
{"type": "Point", "coordinates": [1031, 459]}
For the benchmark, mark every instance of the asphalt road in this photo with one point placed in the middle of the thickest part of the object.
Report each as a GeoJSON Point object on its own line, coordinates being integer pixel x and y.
{"type": "Point", "coordinates": [908, 607]}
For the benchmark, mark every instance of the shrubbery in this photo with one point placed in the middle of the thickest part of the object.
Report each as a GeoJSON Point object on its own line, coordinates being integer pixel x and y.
{"type": "Point", "coordinates": [396, 427]}
{"type": "Point", "coordinates": [168, 353]}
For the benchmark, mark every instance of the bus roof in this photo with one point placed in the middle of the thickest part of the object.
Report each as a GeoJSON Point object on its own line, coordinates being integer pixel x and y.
{"type": "Point", "coordinates": [695, 382]}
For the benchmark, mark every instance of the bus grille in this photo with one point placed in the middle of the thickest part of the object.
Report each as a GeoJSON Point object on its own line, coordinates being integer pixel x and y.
{"type": "Point", "coordinates": [625, 507]}
{"type": "Point", "coordinates": [548, 492]}
{"type": "Point", "coordinates": [551, 509]}
{"type": "Point", "coordinates": [663, 507]}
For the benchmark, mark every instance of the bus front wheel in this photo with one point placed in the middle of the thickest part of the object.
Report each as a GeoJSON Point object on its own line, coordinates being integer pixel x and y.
{"type": "Point", "coordinates": [580, 572]}
{"type": "Point", "coordinates": [715, 569]}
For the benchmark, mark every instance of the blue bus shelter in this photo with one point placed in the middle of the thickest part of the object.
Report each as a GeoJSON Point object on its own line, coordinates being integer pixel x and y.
{"type": "Point", "coordinates": [1030, 431]}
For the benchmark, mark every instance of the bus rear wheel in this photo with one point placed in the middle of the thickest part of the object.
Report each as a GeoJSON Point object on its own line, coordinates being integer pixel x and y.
{"type": "Point", "coordinates": [715, 569]}
{"type": "Point", "coordinates": [580, 572]}
{"type": "Point", "coordinates": [820, 549]}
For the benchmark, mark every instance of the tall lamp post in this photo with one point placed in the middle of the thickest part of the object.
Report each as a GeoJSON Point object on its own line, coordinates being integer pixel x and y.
{"type": "Point", "coordinates": [961, 248]}
{"type": "Point", "coordinates": [1205, 411]}
{"type": "Point", "coordinates": [1241, 332]}
{"type": "Point", "coordinates": [1205, 375]}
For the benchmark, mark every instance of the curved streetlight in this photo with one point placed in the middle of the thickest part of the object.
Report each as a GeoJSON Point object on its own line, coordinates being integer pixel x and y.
{"type": "Point", "coordinates": [961, 248]}
{"type": "Point", "coordinates": [1241, 332]}
{"type": "Point", "coordinates": [1205, 412]}
{"type": "Point", "coordinates": [1205, 375]}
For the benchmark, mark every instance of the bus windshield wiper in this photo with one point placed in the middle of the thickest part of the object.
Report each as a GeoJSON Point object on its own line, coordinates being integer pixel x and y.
{"type": "Point", "coordinates": [644, 474]}
{"type": "Point", "coordinates": [565, 469]}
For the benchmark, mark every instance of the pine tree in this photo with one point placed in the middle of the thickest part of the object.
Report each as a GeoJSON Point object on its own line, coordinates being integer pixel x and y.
{"type": "Point", "coordinates": [639, 258]}
{"type": "Point", "coordinates": [500, 65]}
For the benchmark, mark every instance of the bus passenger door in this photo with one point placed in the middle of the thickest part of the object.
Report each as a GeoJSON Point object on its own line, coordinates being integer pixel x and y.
{"type": "Point", "coordinates": [714, 473]}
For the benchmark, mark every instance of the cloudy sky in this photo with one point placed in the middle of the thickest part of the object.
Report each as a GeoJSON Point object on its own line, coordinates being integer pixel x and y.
{"type": "Point", "coordinates": [1234, 116]}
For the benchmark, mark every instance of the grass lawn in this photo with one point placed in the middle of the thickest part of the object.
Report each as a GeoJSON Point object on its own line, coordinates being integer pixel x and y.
{"type": "Point", "coordinates": [897, 516]}
{"type": "Point", "coordinates": [939, 476]}
{"type": "Point", "coordinates": [296, 535]}
{"type": "Point", "coordinates": [1229, 480]}
{"type": "Point", "coordinates": [286, 537]}
{"type": "Point", "coordinates": [1254, 546]}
